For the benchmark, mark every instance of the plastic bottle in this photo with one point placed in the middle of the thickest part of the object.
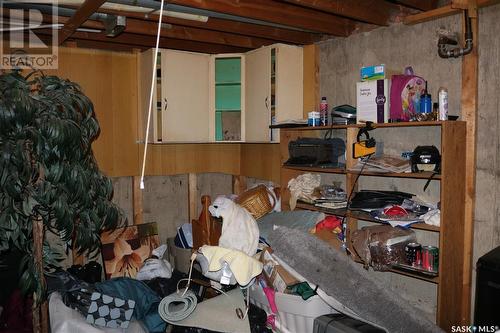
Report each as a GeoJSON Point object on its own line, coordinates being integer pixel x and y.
{"type": "Point", "coordinates": [443, 103]}
{"type": "Point", "coordinates": [323, 112]}
{"type": "Point", "coordinates": [426, 101]}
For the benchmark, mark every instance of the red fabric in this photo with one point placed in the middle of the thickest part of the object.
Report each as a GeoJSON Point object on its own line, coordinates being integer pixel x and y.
{"type": "Point", "coordinates": [17, 314]}
{"type": "Point", "coordinates": [329, 223]}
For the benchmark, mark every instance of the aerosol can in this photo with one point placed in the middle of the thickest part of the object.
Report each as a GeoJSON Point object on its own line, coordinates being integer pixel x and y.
{"type": "Point", "coordinates": [443, 103]}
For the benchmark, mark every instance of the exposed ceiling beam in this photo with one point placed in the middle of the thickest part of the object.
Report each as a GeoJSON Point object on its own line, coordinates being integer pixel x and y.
{"type": "Point", "coordinates": [196, 34]}
{"type": "Point", "coordinates": [369, 11]}
{"type": "Point", "coordinates": [272, 11]}
{"type": "Point", "coordinates": [142, 41]}
{"type": "Point", "coordinates": [419, 4]}
{"type": "Point", "coordinates": [93, 44]}
{"type": "Point", "coordinates": [242, 28]}
{"type": "Point", "coordinates": [442, 12]}
{"type": "Point", "coordinates": [149, 28]}
{"type": "Point", "coordinates": [88, 8]}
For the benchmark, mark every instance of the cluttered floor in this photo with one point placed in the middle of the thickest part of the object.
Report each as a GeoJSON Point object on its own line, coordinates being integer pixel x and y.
{"type": "Point", "coordinates": [259, 270]}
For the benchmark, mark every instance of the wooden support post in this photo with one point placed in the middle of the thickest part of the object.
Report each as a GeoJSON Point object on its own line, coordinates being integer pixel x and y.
{"type": "Point", "coordinates": [137, 199]}
{"type": "Point", "coordinates": [193, 196]}
{"type": "Point", "coordinates": [469, 101]}
{"type": "Point", "coordinates": [239, 184]}
{"type": "Point", "coordinates": [40, 311]}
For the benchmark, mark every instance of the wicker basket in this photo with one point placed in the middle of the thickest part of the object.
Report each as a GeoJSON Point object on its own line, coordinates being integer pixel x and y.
{"type": "Point", "coordinates": [256, 201]}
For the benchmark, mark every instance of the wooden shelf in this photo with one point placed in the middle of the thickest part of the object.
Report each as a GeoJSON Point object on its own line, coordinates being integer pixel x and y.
{"type": "Point", "coordinates": [315, 169]}
{"type": "Point", "coordinates": [362, 216]}
{"type": "Point", "coordinates": [383, 125]}
{"type": "Point", "coordinates": [420, 175]}
{"type": "Point", "coordinates": [432, 279]}
{"type": "Point", "coordinates": [454, 251]}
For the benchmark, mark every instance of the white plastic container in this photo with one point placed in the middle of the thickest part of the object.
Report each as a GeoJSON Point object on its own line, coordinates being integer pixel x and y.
{"type": "Point", "coordinates": [294, 314]}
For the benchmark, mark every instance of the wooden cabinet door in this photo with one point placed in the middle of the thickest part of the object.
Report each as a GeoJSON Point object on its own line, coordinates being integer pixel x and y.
{"type": "Point", "coordinates": [147, 73]}
{"type": "Point", "coordinates": [258, 95]}
{"type": "Point", "coordinates": [185, 101]}
{"type": "Point", "coordinates": [289, 82]}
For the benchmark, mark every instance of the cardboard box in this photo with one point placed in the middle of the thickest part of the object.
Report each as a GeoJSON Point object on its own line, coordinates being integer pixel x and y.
{"type": "Point", "coordinates": [330, 238]}
{"type": "Point", "coordinates": [275, 274]}
{"type": "Point", "coordinates": [377, 72]}
{"type": "Point", "coordinates": [372, 101]}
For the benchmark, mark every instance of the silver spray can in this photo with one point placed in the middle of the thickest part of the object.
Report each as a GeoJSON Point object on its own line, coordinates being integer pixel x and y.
{"type": "Point", "coordinates": [443, 103]}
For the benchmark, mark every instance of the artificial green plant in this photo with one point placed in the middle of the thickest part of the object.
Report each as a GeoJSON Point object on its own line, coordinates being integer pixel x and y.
{"type": "Point", "coordinates": [48, 173]}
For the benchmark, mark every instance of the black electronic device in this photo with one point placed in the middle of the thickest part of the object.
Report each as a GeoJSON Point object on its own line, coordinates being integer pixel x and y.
{"type": "Point", "coordinates": [425, 158]}
{"type": "Point", "coordinates": [315, 152]}
{"type": "Point", "coordinates": [364, 147]}
{"type": "Point", "coordinates": [343, 115]}
{"type": "Point", "coordinates": [488, 289]}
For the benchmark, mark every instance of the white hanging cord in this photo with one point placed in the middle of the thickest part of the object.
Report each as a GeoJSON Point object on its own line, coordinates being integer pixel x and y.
{"type": "Point", "coordinates": [153, 81]}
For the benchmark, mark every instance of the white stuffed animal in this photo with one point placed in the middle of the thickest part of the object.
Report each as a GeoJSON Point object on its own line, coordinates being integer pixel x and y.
{"type": "Point", "coordinates": [239, 229]}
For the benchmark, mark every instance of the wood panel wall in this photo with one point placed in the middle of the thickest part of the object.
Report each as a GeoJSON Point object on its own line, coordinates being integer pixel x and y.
{"type": "Point", "coordinates": [261, 160]}
{"type": "Point", "coordinates": [109, 79]}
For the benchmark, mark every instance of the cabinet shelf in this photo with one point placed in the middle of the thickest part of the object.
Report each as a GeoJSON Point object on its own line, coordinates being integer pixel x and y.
{"type": "Point", "coordinates": [227, 110]}
{"type": "Point", "coordinates": [228, 83]}
{"type": "Point", "coordinates": [359, 215]}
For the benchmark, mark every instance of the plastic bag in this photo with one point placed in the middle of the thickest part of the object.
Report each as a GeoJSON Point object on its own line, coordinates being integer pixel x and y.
{"type": "Point", "coordinates": [382, 245]}
{"type": "Point", "coordinates": [155, 267]}
{"type": "Point", "coordinates": [239, 229]}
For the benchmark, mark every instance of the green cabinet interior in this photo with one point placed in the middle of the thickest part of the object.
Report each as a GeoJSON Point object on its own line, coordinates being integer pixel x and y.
{"type": "Point", "coordinates": [228, 99]}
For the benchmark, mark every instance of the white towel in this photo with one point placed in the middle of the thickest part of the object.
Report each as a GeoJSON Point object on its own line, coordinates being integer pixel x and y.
{"type": "Point", "coordinates": [244, 267]}
{"type": "Point", "coordinates": [302, 187]}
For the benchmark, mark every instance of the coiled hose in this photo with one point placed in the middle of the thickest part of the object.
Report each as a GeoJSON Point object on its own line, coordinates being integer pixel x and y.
{"type": "Point", "coordinates": [177, 306]}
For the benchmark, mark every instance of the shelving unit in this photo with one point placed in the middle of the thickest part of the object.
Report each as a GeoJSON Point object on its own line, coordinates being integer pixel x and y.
{"type": "Point", "coordinates": [454, 250]}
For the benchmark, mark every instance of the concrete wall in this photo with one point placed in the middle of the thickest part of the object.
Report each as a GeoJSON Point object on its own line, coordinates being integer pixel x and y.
{"type": "Point", "coordinates": [399, 46]}
{"type": "Point", "coordinates": [165, 198]}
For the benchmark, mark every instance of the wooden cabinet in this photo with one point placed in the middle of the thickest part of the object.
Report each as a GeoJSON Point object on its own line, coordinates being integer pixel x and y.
{"type": "Point", "coordinates": [219, 98]}
{"type": "Point", "coordinates": [180, 111]}
{"type": "Point", "coordinates": [258, 94]}
{"type": "Point", "coordinates": [184, 96]}
{"type": "Point", "coordinates": [274, 89]}
{"type": "Point", "coordinates": [454, 250]}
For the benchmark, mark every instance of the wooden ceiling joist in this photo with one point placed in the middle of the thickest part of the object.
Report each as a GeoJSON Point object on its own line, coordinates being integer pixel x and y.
{"type": "Point", "coordinates": [149, 28]}
{"type": "Point", "coordinates": [419, 4]}
{"type": "Point", "coordinates": [275, 12]}
{"type": "Point", "coordinates": [369, 11]}
{"type": "Point", "coordinates": [142, 41]}
{"type": "Point", "coordinates": [88, 8]}
{"type": "Point", "coordinates": [442, 12]}
{"type": "Point", "coordinates": [222, 25]}
{"type": "Point", "coordinates": [196, 34]}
